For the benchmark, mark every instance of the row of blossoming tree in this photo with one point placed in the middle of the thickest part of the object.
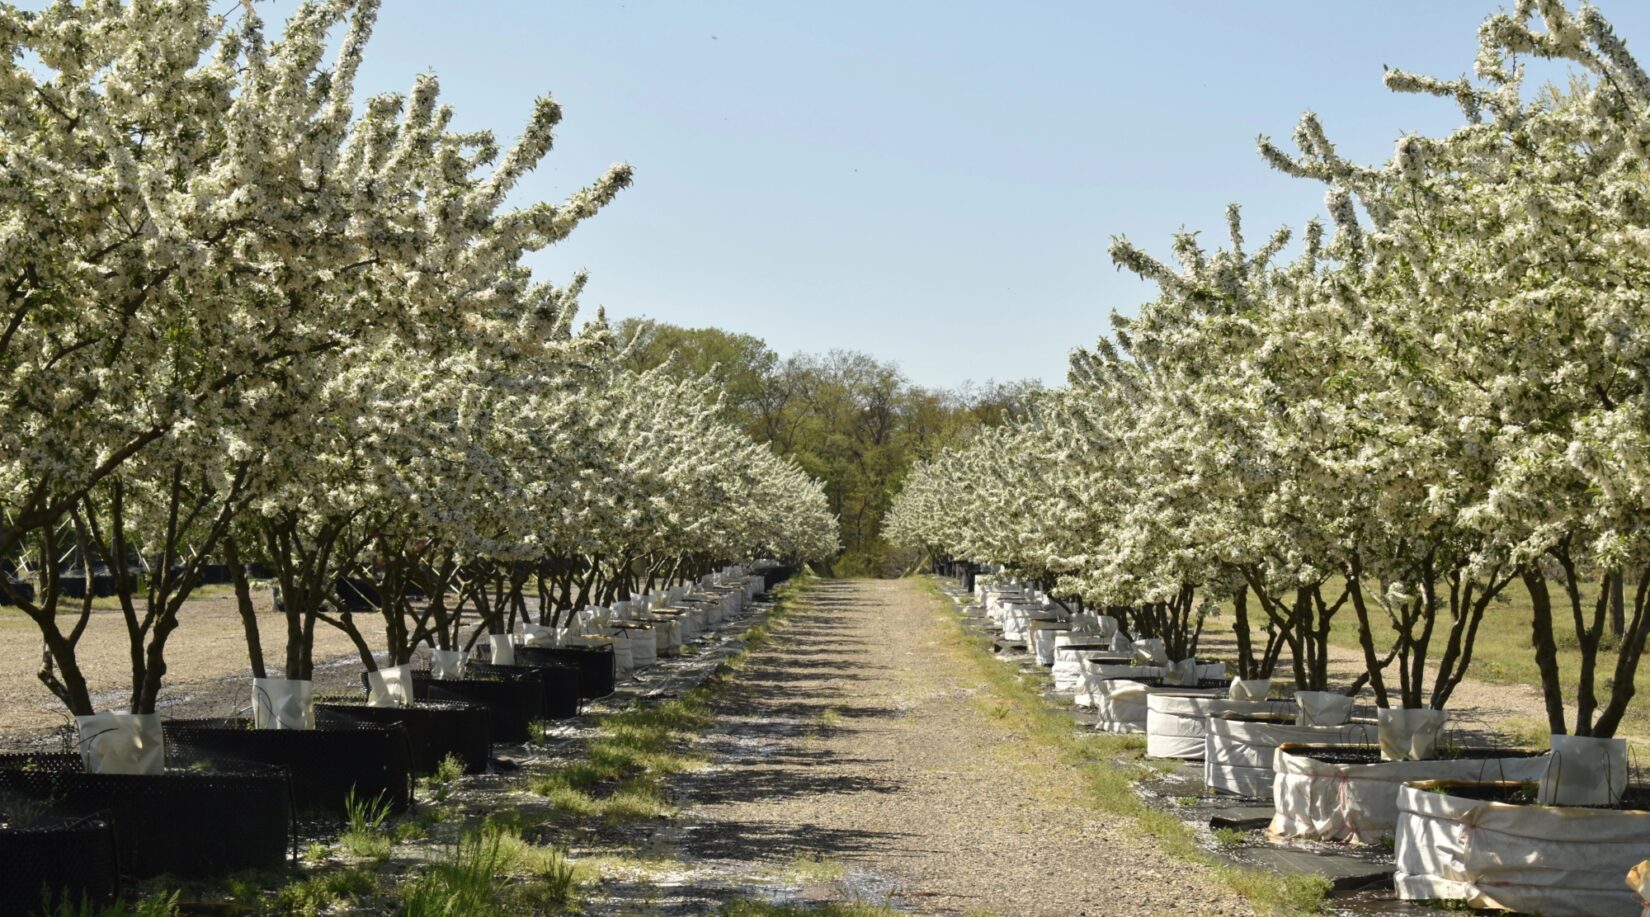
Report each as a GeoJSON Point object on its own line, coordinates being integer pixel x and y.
{"type": "Point", "coordinates": [1444, 397]}
{"type": "Point", "coordinates": [247, 323]}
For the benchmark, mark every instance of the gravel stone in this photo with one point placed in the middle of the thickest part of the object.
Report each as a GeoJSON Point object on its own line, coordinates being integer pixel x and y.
{"type": "Point", "coordinates": [859, 738]}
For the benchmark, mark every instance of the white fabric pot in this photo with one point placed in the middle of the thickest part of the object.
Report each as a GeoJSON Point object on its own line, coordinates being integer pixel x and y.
{"type": "Point", "coordinates": [644, 646]}
{"type": "Point", "coordinates": [1097, 674]}
{"type": "Point", "coordinates": [122, 743]}
{"type": "Point", "coordinates": [623, 662]}
{"type": "Point", "coordinates": [1015, 620]}
{"type": "Point", "coordinates": [1120, 706]}
{"type": "Point", "coordinates": [280, 703]}
{"type": "Point", "coordinates": [670, 637]}
{"type": "Point", "coordinates": [1322, 708]}
{"type": "Point", "coordinates": [1359, 802]}
{"type": "Point", "coordinates": [1249, 688]}
{"type": "Point", "coordinates": [504, 652]}
{"type": "Point", "coordinates": [1070, 650]}
{"type": "Point", "coordinates": [1238, 754]}
{"type": "Point", "coordinates": [447, 665]}
{"type": "Point", "coordinates": [1042, 641]}
{"type": "Point", "coordinates": [1408, 734]}
{"type": "Point", "coordinates": [1176, 721]}
{"type": "Point", "coordinates": [1553, 860]}
{"type": "Point", "coordinates": [1585, 772]}
{"type": "Point", "coordinates": [390, 687]}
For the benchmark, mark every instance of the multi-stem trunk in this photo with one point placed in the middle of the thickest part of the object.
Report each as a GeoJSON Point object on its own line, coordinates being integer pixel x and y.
{"type": "Point", "coordinates": [1589, 631]}
{"type": "Point", "coordinates": [190, 514]}
{"type": "Point", "coordinates": [60, 669]}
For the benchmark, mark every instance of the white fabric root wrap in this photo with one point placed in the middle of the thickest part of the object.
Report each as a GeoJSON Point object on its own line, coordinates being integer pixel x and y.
{"type": "Point", "coordinates": [390, 687]}
{"type": "Point", "coordinates": [122, 743]}
{"type": "Point", "coordinates": [447, 665]}
{"type": "Point", "coordinates": [1409, 734]}
{"type": "Point", "coordinates": [1585, 772]}
{"type": "Point", "coordinates": [1322, 708]}
{"type": "Point", "coordinates": [279, 703]}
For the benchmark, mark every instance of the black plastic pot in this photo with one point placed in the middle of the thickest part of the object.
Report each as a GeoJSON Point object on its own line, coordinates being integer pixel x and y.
{"type": "Point", "coordinates": [18, 588]}
{"type": "Point", "coordinates": [513, 700]}
{"type": "Point", "coordinates": [560, 685]}
{"type": "Point", "coordinates": [72, 583]}
{"type": "Point", "coordinates": [435, 729]}
{"type": "Point", "coordinates": [207, 820]}
{"type": "Point", "coordinates": [215, 574]}
{"type": "Point", "coordinates": [773, 576]}
{"type": "Point", "coordinates": [327, 765]}
{"type": "Point", "coordinates": [58, 860]}
{"type": "Point", "coordinates": [597, 670]}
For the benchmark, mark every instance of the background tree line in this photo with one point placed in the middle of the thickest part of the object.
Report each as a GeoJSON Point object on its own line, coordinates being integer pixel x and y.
{"type": "Point", "coordinates": [851, 420]}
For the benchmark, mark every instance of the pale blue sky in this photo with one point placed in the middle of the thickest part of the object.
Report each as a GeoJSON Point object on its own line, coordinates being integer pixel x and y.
{"type": "Point", "coordinates": [931, 182]}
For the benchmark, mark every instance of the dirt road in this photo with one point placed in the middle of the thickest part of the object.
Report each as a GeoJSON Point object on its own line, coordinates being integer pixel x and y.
{"type": "Point", "coordinates": [857, 758]}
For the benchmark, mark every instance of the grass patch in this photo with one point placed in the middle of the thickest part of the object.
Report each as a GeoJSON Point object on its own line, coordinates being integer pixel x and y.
{"type": "Point", "coordinates": [366, 836]}
{"type": "Point", "coordinates": [324, 893]}
{"type": "Point", "coordinates": [1110, 766]}
{"type": "Point", "coordinates": [830, 718]}
{"type": "Point", "coordinates": [621, 775]}
{"type": "Point", "coordinates": [816, 869]}
{"type": "Point", "coordinates": [495, 871]}
{"type": "Point", "coordinates": [159, 906]}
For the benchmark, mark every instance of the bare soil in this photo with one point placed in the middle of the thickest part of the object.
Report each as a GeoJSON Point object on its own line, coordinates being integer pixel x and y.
{"type": "Point", "coordinates": [208, 670]}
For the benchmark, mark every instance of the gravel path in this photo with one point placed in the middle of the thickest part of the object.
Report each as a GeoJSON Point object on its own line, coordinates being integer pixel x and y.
{"type": "Point", "coordinates": [856, 759]}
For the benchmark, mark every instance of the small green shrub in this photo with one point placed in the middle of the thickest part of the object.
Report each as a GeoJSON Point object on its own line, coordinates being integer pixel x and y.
{"type": "Point", "coordinates": [322, 893]}
{"type": "Point", "coordinates": [366, 836]}
{"type": "Point", "coordinates": [441, 784]}
{"type": "Point", "coordinates": [1230, 837]}
{"type": "Point", "coordinates": [464, 883]}
{"type": "Point", "coordinates": [158, 906]}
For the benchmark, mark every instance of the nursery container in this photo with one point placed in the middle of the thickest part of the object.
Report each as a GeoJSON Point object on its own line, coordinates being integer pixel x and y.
{"type": "Point", "coordinates": [1239, 749]}
{"type": "Point", "coordinates": [1177, 718]}
{"type": "Point", "coordinates": [559, 686]}
{"type": "Point", "coordinates": [512, 700]}
{"type": "Point", "coordinates": [435, 729]}
{"type": "Point", "coordinates": [1040, 639]}
{"type": "Point", "coordinates": [193, 820]}
{"type": "Point", "coordinates": [1491, 845]}
{"type": "Point", "coordinates": [1338, 793]}
{"type": "Point", "coordinates": [1070, 651]}
{"type": "Point", "coordinates": [1119, 704]}
{"type": "Point", "coordinates": [327, 764]}
{"type": "Point", "coordinates": [644, 644]}
{"type": "Point", "coordinates": [597, 669]}
{"type": "Point", "coordinates": [55, 859]}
